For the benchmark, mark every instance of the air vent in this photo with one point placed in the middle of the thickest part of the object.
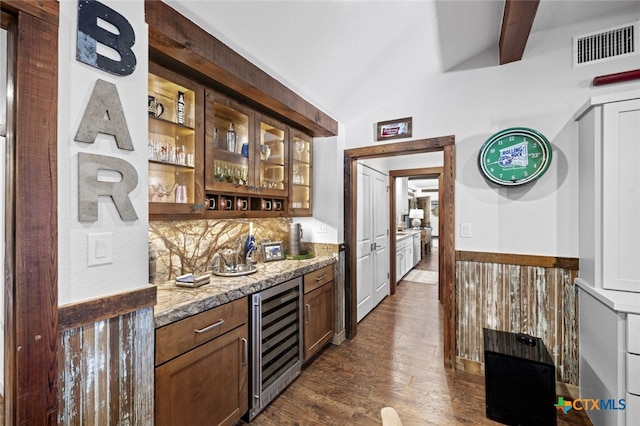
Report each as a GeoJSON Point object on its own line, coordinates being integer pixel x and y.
{"type": "Point", "coordinates": [606, 45]}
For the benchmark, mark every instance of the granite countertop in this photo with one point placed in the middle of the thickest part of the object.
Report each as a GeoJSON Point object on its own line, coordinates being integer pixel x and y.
{"type": "Point", "coordinates": [175, 303]}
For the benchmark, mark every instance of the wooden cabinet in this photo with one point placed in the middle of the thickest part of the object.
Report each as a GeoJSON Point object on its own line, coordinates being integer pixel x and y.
{"type": "Point", "coordinates": [174, 143]}
{"type": "Point", "coordinates": [229, 130]}
{"type": "Point", "coordinates": [318, 310]}
{"type": "Point", "coordinates": [300, 180]}
{"type": "Point", "coordinates": [214, 156]}
{"type": "Point", "coordinates": [202, 367]}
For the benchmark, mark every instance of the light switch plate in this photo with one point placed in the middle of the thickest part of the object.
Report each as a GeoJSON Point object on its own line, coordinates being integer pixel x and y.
{"type": "Point", "coordinates": [465, 230]}
{"type": "Point", "coordinates": [99, 248]}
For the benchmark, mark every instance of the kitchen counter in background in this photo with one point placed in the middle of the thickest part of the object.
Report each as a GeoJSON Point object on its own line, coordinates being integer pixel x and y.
{"type": "Point", "coordinates": [175, 303]}
{"type": "Point", "coordinates": [400, 235]}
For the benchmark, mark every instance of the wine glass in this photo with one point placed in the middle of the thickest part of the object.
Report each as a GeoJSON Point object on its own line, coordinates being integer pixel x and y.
{"type": "Point", "coordinates": [161, 192]}
{"type": "Point", "coordinates": [299, 147]}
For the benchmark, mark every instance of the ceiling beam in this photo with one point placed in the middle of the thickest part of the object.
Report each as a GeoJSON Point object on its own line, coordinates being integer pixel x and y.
{"type": "Point", "coordinates": [517, 21]}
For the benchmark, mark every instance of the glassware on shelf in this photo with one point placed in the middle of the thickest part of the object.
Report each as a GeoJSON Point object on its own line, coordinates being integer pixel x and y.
{"type": "Point", "coordinates": [232, 138]}
{"type": "Point", "coordinates": [299, 148]}
{"type": "Point", "coordinates": [151, 146]}
{"type": "Point", "coordinates": [162, 152]}
{"type": "Point", "coordinates": [180, 155]}
{"type": "Point", "coordinates": [265, 151]}
{"type": "Point", "coordinates": [161, 192]}
{"type": "Point", "coordinates": [181, 194]}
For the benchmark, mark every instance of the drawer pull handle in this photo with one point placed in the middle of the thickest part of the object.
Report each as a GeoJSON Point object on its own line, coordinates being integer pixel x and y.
{"type": "Point", "coordinates": [211, 327]}
{"type": "Point", "coordinates": [321, 277]}
{"type": "Point", "coordinates": [245, 354]}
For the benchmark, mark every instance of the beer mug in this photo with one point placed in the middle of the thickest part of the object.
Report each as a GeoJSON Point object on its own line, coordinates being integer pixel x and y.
{"type": "Point", "coordinates": [155, 108]}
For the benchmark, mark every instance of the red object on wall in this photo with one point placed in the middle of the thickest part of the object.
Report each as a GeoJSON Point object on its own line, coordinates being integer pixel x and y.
{"type": "Point", "coordinates": [617, 77]}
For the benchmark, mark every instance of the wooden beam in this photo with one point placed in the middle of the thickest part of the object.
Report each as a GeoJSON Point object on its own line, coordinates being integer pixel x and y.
{"type": "Point", "coordinates": [177, 40]}
{"type": "Point", "coordinates": [45, 10]}
{"type": "Point", "coordinates": [517, 21]}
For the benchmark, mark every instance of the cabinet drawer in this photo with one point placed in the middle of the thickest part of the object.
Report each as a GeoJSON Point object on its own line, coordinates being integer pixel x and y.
{"type": "Point", "coordinates": [633, 374]}
{"type": "Point", "coordinates": [184, 335]}
{"type": "Point", "coordinates": [633, 333]}
{"type": "Point", "coordinates": [315, 279]}
{"type": "Point", "coordinates": [632, 409]}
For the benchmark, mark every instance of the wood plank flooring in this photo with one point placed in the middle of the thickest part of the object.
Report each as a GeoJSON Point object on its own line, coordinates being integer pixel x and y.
{"type": "Point", "coordinates": [395, 360]}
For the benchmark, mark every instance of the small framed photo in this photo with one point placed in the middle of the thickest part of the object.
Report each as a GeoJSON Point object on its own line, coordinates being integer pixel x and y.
{"type": "Point", "coordinates": [272, 251]}
{"type": "Point", "coordinates": [394, 129]}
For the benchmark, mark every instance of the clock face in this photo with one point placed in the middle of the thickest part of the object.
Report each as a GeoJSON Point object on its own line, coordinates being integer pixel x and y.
{"type": "Point", "coordinates": [515, 156]}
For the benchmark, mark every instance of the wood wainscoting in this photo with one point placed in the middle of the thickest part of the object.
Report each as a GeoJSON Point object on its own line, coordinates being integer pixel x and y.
{"type": "Point", "coordinates": [106, 360]}
{"type": "Point", "coordinates": [518, 293]}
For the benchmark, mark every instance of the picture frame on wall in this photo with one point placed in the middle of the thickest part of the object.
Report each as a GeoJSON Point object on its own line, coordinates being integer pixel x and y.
{"type": "Point", "coordinates": [272, 251]}
{"type": "Point", "coordinates": [394, 129]}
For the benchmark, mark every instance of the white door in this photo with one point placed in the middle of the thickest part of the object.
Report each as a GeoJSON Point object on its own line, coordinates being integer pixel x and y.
{"type": "Point", "coordinates": [380, 210]}
{"type": "Point", "coordinates": [372, 267]}
{"type": "Point", "coordinates": [364, 241]}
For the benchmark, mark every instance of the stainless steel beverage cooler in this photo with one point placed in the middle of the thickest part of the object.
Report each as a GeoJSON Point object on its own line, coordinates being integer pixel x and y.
{"type": "Point", "coordinates": [276, 342]}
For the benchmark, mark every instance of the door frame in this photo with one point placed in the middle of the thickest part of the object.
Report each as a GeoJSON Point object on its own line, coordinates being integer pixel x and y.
{"type": "Point", "coordinates": [446, 239]}
{"type": "Point", "coordinates": [31, 277]}
{"type": "Point", "coordinates": [431, 172]}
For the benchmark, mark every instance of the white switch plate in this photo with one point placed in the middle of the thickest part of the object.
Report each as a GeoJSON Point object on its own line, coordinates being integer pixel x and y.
{"type": "Point", "coordinates": [322, 228]}
{"type": "Point", "coordinates": [99, 248]}
{"type": "Point", "coordinates": [465, 230]}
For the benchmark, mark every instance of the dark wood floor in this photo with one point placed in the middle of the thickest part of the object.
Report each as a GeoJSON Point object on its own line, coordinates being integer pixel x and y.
{"type": "Point", "coordinates": [395, 360]}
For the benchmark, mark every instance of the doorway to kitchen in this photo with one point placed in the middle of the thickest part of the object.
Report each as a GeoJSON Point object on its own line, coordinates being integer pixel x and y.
{"type": "Point", "coordinates": [396, 216]}
{"type": "Point", "coordinates": [446, 145]}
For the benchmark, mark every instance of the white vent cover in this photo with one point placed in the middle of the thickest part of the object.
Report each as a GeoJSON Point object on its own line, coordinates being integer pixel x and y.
{"type": "Point", "coordinates": [606, 45]}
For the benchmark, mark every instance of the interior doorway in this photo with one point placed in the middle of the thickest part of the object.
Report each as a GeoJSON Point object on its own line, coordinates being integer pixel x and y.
{"type": "Point", "coordinates": [433, 173]}
{"type": "Point", "coordinates": [446, 251]}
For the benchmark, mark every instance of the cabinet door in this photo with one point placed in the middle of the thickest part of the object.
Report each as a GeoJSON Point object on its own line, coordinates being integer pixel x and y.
{"type": "Point", "coordinates": [228, 143]}
{"type": "Point", "coordinates": [205, 386]}
{"type": "Point", "coordinates": [174, 143]}
{"type": "Point", "coordinates": [620, 196]}
{"type": "Point", "coordinates": [271, 157]}
{"type": "Point", "coordinates": [301, 173]}
{"type": "Point", "coordinates": [318, 319]}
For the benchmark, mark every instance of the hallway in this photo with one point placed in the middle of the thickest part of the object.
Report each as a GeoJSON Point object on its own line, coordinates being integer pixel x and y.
{"type": "Point", "coordinates": [395, 360]}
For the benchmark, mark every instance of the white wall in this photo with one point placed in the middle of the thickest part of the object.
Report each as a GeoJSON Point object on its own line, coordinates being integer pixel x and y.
{"type": "Point", "coordinates": [472, 101]}
{"type": "Point", "coordinates": [129, 270]}
{"type": "Point", "coordinates": [542, 91]}
{"type": "Point", "coordinates": [327, 223]}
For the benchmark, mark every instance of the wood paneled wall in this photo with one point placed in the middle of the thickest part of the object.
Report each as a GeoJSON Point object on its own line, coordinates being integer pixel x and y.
{"type": "Point", "coordinates": [518, 293]}
{"type": "Point", "coordinates": [106, 374]}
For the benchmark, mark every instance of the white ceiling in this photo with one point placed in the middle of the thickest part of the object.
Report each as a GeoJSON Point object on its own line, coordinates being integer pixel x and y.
{"type": "Point", "coordinates": [340, 54]}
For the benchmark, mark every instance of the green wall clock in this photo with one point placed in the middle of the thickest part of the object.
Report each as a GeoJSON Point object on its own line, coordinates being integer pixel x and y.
{"type": "Point", "coordinates": [515, 156]}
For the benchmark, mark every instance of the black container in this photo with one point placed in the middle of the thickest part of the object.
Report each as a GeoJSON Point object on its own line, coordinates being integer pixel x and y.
{"type": "Point", "coordinates": [520, 379]}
